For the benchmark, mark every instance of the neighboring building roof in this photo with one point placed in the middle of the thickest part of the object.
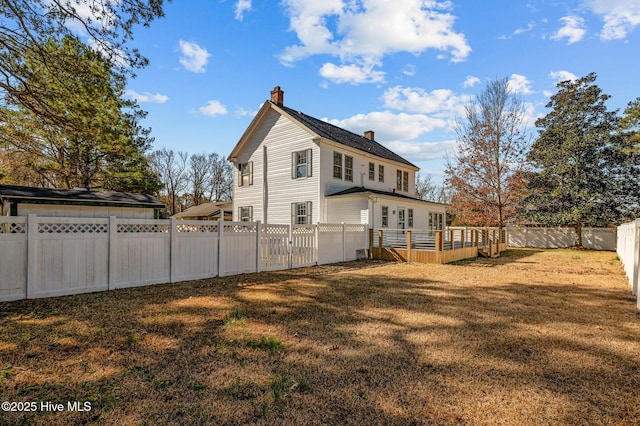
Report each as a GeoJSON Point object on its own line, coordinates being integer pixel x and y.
{"type": "Point", "coordinates": [206, 210]}
{"type": "Point", "coordinates": [342, 136]}
{"type": "Point", "coordinates": [30, 194]}
{"type": "Point", "coordinates": [361, 190]}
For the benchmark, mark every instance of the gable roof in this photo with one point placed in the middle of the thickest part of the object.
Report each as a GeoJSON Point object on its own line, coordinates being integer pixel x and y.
{"type": "Point", "coordinates": [342, 136]}
{"type": "Point", "coordinates": [206, 210]}
{"type": "Point", "coordinates": [362, 190]}
{"type": "Point", "coordinates": [322, 129]}
{"type": "Point", "coordinates": [79, 196]}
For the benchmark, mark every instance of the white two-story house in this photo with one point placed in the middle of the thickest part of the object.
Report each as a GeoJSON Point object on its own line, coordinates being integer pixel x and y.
{"type": "Point", "coordinates": [291, 168]}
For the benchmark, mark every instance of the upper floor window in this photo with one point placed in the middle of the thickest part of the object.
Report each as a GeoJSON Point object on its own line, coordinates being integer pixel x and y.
{"type": "Point", "coordinates": [380, 173]}
{"type": "Point", "coordinates": [246, 174]}
{"type": "Point", "coordinates": [405, 181]}
{"type": "Point", "coordinates": [348, 168]}
{"type": "Point", "coordinates": [399, 180]}
{"type": "Point", "coordinates": [337, 165]}
{"type": "Point", "coordinates": [245, 213]}
{"type": "Point", "coordinates": [301, 213]}
{"type": "Point", "coordinates": [301, 164]}
{"type": "Point", "coordinates": [372, 171]}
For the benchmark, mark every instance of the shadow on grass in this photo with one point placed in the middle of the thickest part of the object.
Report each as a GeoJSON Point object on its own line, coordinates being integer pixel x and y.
{"type": "Point", "coordinates": [355, 343]}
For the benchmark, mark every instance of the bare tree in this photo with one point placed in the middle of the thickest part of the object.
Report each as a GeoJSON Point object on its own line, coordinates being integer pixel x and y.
{"type": "Point", "coordinates": [221, 187]}
{"type": "Point", "coordinates": [487, 174]}
{"type": "Point", "coordinates": [171, 169]}
{"type": "Point", "coordinates": [199, 175]}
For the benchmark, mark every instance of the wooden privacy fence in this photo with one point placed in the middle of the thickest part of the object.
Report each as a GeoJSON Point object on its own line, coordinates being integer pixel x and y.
{"type": "Point", "coordinates": [425, 246]}
{"type": "Point", "coordinates": [628, 249]}
{"type": "Point", "coordinates": [45, 256]}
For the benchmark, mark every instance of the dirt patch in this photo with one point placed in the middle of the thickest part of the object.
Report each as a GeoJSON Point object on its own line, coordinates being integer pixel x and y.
{"type": "Point", "coordinates": [532, 337]}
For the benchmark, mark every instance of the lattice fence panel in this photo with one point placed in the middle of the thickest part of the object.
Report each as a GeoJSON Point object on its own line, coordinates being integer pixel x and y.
{"type": "Point", "coordinates": [188, 228]}
{"type": "Point", "coordinates": [136, 228]}
{"type": "Point", "coordinates": [73, 228]}
{"type": "Point", "coordinates": [13, 228]}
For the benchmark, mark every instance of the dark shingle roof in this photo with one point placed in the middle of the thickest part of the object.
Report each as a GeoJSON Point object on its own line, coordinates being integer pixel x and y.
{"type": "Point", "coordinates": [15, 192]}
{"type": "Point", "coordinates": [345, 137]}
{"type": "Point", "coordinates": [363, 190]}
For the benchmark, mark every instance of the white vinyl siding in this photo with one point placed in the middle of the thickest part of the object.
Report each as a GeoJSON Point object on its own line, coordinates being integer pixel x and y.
{"type": "Point", "coordinates": [347, 210]}
{"type": "Point", "coordinates": [281, 137]}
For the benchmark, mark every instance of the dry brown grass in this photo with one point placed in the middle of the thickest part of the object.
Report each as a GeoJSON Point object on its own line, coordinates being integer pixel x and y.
{"type": "Point", "coordinates": [534, 337]}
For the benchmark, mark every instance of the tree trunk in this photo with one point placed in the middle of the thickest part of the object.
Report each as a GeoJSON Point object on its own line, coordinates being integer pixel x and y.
{"type": "Point", "coordinates": [578, 236]}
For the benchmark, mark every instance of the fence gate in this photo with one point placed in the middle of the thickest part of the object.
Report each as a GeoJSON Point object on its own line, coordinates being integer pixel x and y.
{"type": "Point", "coordinates": [284, 246]}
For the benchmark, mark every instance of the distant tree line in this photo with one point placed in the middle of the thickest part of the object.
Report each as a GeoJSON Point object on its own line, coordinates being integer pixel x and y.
{"type": "Point", "coordinates": [191, 180]}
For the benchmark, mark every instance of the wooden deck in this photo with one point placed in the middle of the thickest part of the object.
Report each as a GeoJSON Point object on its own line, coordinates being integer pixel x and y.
{"type": "Point", "coordinates": [435, 246]}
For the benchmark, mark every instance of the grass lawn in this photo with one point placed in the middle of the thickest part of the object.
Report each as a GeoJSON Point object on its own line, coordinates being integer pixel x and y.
{"type": "Point", "coordinates": [534, 337]}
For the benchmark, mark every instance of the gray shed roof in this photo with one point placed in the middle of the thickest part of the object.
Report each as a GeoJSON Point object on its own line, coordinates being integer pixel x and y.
{"type": "Point", "coordinates": [76, 196]}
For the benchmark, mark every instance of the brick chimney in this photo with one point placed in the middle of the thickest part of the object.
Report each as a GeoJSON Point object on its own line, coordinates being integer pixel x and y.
{"type": "Point", "coordinates": [369, 134]}
{"type": "Point", "coordinates": [277, 95]}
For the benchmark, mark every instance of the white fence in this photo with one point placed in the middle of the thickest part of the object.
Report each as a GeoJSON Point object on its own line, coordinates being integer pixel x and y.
{"type": "Point", "coordinates": [46, 256]}
{"type": "Point", "coordinates": [629, 253]}
{"type": "Point", "coordinates": [593, 238]}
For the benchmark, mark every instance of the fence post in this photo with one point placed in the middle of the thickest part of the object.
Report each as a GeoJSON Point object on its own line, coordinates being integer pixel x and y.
{"type": "Point", "coordinates": [113, 234]}
{"type": "Point", "coordinates": [258, 244]}
{"type": "Point", "coordinates": [344, 242]}
{"type": "Point", "coordinates": [439, 246]}
{"type": "Point", "coordinates": [173, 250]}
{"type": "Point", "coordinates": [409, 253]}
{"type": "Point", "coordinates": [32, 256]}
{"type": "Point", "coordinates": [370, 243]}
{"type": "Point", "coordinates": [316, 244]}
{"type": "Point", "coordinates": [220, 247]}
{"type": "Point", "coordinates": [635, 279]}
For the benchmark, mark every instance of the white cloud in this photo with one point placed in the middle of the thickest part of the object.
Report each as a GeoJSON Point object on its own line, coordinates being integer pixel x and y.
{"type": "Point", "coordinates": [520, 84]}
{"type": "Point", "coordinates": [620, 16]}
{"type": "Point", "coordinates": [391, 126]}
{"type": "Point", "coordinates": [442, 103]}
{"type": "Point", "coordinates": [194, 58]}
{"type": "Point", "coordinates": [212, 109]}
{"type": "Point", "coordinates": [409, 70]}
{"type": "Point", "coordinates": [422, 151]}
{"type": "Point", "coordinates": [354, 74]}
{"type": "Point", "coordinates": [147, 97]}
{"type": "Point", "coordinates": [242, 6]}
{"type": "Point", "coordinates": [471, 81]}
{"type": "Point", "coordinates": [562, 75]}
{"type": "Point", "coordinates": [364, 32]}
{"type": "Point", "coordinates": [573, 29]}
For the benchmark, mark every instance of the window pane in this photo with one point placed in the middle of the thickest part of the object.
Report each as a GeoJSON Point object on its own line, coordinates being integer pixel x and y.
{"type": "Point", "coordinates": [399, 180]}
{"type": "Point", "coordinates": [380, 173]}
{"type": "Point", "coordinates": [405, 181]}
{"type": "Point", "coordinates": [348, 168]}
{"type": "Point", "coordinates": [372, 171]}
{"type": "Point", "coordinates": [337, 165]}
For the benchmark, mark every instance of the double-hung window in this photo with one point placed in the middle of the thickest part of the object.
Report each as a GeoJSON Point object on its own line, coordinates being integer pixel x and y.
{"type": "Point", "coordinates": [405, 181]}
{"type": "Point", "coordinates": [372, 171]}
{"type": "Point", "coordinates": [348, 168]}
{"type": "Point", "coordinates": [245, 172]}
{"type": "Point", "coordinates": [385, 216]}
{"type": "Point", "coordinates": [399, 180]}
{"type": "Point", "coordinates": [380, 173]}
{"type": "Point", "coordinates": [245, 214]}
{"type": "Point", "coordinates": [337, 165]}
{"type": "Point", "coordinates": [410, 218]}
{"type": "Point", "coordinates": [301, 164]}
{"type": "Point", "coordinates": [301, 213]}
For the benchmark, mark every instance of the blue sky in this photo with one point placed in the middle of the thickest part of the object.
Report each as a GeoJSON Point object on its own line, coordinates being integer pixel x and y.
{"type": "Point", "coordinates": [403, 68]}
